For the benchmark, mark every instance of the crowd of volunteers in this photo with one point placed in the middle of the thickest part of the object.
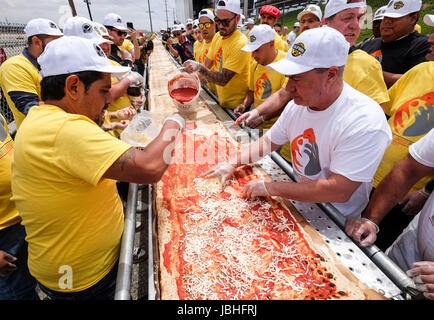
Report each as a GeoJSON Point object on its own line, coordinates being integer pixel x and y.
{"type": "Point", "coordinates": [354, 118]}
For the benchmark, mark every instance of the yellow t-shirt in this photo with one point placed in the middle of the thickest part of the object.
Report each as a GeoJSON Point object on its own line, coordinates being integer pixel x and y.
{"type": "Point", "coordinates": [8, 212]}
{"type": "Point", "coordinates": [118, 104]}
{"type": "Point", "coordinates": [19, 74]}
{"type": "Point", "coordinates": [127, 45]}
{"type": "Point", "coordinates": [364, 73]}
{"type": "Point", "coordinates": [417, 28]}
{"type": "Point", "coordinates": [410, 108]}
{"type": "Point", "coordinates": [280, 44]}
{"type": "Point", "coordinates": [198, 50]}
{"type": "Point", "coordinates": [73, 217]}
{"type": "Point", "coordinates": [264, 82]}
{"type": "Point", "coordinates": [204, 52]}
{"type": "Point", "coordinates": [227, 54]}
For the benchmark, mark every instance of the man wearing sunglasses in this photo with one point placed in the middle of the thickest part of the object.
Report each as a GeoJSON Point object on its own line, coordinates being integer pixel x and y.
{"type": "Point", "coordinates": [269, 15]}
{"type": "Point", "coordinates": [119, 32]}
{"type": "Point", "coordinates": [225, 55]}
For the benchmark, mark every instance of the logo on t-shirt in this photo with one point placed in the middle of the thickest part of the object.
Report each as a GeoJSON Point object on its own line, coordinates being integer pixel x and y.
{"type": "Point", "coordinates": [305, 154]}
{"type": "Point", "coordinates": [263, 83]}
{"type": "Point", "coordinates": [218, 60]}
{"type": "Point", "coordinates": [415, 117]}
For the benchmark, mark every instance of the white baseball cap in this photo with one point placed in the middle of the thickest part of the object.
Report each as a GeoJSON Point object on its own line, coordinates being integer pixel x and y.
{"type": "Point", "coordinates": [259, 36]}
{"type": "Point", "coordinates": [400, 8]}
{"type": "Point", "coordinates": [189, 21]}
{"type": "Point", "coordinates": [195, 23]}
{"type": "Point", "coordinates": [206, 13]}
{"type": "Point", "coordinates": [335, 6]}
{"type": "Point", "coordinates": [84, 28]}
{"type": "Point", "coordinates": [176, 27]}
{"type": "Point", "coordinates": [379, 14]}
{"type": "Point", "coordinates": [42, 26]}
{"type": "Point", "coordinates": [75, 54]}
{"type": "Point", "coordinates": [114, 20]}
{"type": "Point", "coordinates": [297, 24]}
{"type": "Point", "coordinates": [322, 47]}
{"type": "Point", "coordinates": [233, 6]}
{"type": "Point", "coordinates": [312, 9]}
{"type": "Point", "coordinates": [429, 19]}
{"type": "Point", "coordinates": [250, 21]}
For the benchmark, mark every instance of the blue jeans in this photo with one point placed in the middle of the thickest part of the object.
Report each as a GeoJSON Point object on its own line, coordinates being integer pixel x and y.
{"type": "Point", "coordinates": [102, 290]}
{"type": "Point", "coordinates": [18, 285]}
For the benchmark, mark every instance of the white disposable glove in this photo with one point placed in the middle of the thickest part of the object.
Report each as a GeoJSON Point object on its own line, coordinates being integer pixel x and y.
{"type": "Point", "coordinates": [256, 188]}
{"type": "Point", "coordinates": [422, 275]}
{"type": "Point", "coordinates": [135, 78]}
{"type": "Point", "coordinates": [363, 231]}
{"type": "Point", "coordinates": [224, 170]}
{"type": "Point", "coordinates": [177, 118]}
{"type": "Point", "coordinates": [252, 118]}
{"type": "Point", "coordinates": [191, 66]}
{"type": "Point", "coordinates": [126, 113]}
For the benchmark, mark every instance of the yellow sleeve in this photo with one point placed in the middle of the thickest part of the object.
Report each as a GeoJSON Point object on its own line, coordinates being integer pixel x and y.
{"type": "Point", "coordinates": [394, 93]}
{"type": "Point", "coordinates": [16, 77]}
{"type": "Point", "coordinates": [253, 66]}
{"type": "Point", "coordinates": [235, 59]}
{"type": "Point", "coordinates": [85, 151]}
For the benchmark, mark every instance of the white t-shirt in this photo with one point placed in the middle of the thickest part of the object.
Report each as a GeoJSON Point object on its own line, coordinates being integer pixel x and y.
{"type": "Point", "coordinates": [291, 37]}
{"type": "Point", "coordinates": [423, 152]}
{"type": "Point", "coordinates": [348, 138]}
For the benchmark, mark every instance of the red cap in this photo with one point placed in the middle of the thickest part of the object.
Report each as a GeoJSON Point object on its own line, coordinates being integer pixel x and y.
{"type": "Point", "coordinates": [273, 11]}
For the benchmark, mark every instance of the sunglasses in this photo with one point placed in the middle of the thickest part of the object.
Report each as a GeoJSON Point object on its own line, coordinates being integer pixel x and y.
{"type": "Point", "coordinates": [224, 22]}
{"type": "Point", "coordinates": [177, 34]}
{"type": "Point", "coordinates": [119, 32]}
{"type": "Point", "coordinates": [205, 25]}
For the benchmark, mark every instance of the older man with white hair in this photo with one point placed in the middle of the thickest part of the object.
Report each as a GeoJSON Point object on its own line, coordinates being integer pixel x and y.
{"type": "Point", "coordinates": [337, 134]}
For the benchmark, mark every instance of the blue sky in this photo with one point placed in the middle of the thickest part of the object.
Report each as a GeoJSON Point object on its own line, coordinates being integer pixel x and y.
{"type": "Point", "coordinates": [58, 10]}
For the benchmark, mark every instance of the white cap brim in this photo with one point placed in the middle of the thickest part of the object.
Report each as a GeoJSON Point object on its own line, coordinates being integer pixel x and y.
{"type": "Point", "coordinates": [288, 67]}
{"type": "Point", "coordinates": [250, 47]}
{"type": "Point", "coordinates": [394, 15]}
{"type": "Point", "coordinates": [429, 19]}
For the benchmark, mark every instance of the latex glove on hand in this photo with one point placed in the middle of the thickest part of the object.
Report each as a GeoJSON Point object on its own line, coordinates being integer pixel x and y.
{"type": "Point", "coordinates": [191, 66]}
{"type": "Point", "coordinates": [224, 170]}
{"type": "Point", "coordinates": [363, 231]}
{"type": "Point", "coordinates": [414, 202]}
{"type": "Point", "coordinates": [423, 276]}
{"type": "Point", "coordinates": [252, 118]}
{"type": "Point", "coordinates": [256, 188]}
{"type": "Point", "coordinates": [126, 113]}
{"type": "Point", "coordinates": [135, 78]}
{"type": "Point", "coordinates": [177, 118]}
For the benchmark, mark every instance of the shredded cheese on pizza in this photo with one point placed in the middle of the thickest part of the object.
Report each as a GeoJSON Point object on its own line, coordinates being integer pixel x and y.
{"type": "Point", "coordinates": [230, 247]}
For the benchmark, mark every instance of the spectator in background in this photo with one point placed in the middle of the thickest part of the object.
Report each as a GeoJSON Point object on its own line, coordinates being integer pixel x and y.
{"type": "Point", "coordinates": [269, 15]}
{"type": "Point", "coordinates": [250, 24]}
{"type": "Point", "coordinates": [180, 47]}
{"type": "Point", "coordinates": [410, 108]}
{"type": "Point", "coordinates": [293, 34]}
{"type": "Point", "coordinates": [69, 204]}
{"type": "Point", "coordinates": [16, 283]}
{"type": "Point", "coordinates": [19, 75]}
{"type": "Point", "coordinates": [310, 17]}
{"type": "Point", "coordinates": [189, 31]}
{"type": "Point", "coordinates": [278, 28]}
{"type": "Point", "coordinates": [231, 64]}
{"type": "Point", "coordinates": [285, 33]}
{"type": "Point", "coordinates": [400, 48]}
{"type": "Point", "coordinates": [263, 81]}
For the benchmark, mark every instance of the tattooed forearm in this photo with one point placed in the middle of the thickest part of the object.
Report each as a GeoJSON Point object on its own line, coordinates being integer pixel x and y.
{"type": "Point", "coordinates": [219, 78]}
{"type": "Point", "coordinates": [125, 160]}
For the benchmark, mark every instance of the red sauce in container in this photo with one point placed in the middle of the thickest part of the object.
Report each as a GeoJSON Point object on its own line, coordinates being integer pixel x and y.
{"type": "Point", "coordinates": [183, 94]}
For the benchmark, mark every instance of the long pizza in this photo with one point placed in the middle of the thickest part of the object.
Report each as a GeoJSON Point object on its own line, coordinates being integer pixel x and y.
{"type": "Point", "coordinates": [214, 243]}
